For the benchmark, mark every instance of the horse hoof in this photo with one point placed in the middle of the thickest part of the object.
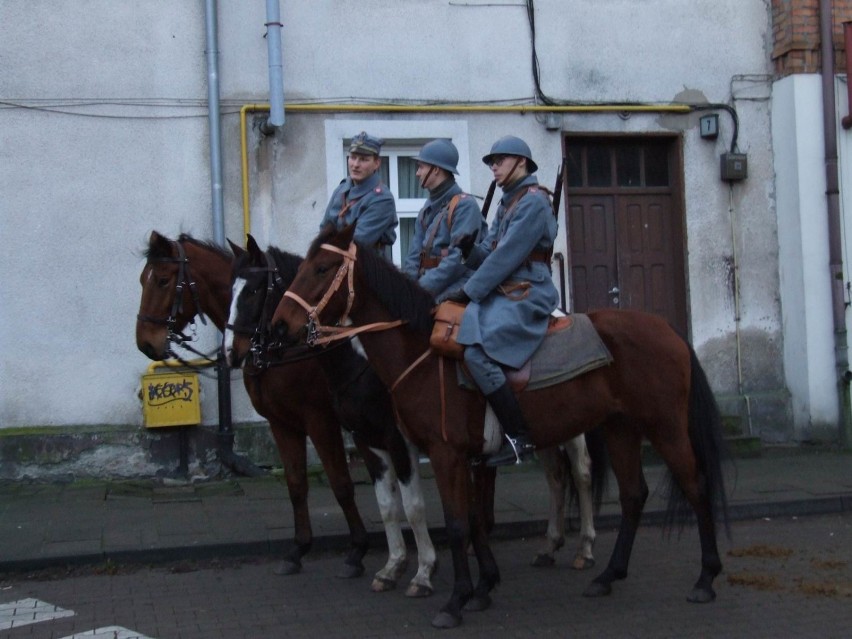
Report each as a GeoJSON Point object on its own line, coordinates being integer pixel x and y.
{"type": "Point", "coordinates": [478, 603]}
{"type": "Point", "coordinates": [445, 620]}
{"type": "Point", "coordinates": [287, 567]}
{"type": "Point", "coordinates": [583, 563]}
{"type": "Point", "coordinates": [597, 589]}
{"type": "Point", "coordinates": [416, 591]}
{"type": "Point", "coordinates": [543, 560]}
{"type": "Point", "coordinates": [350, 571]}
{"type": "Point", "coordinates": [700, 595]}
{"type": "Point", "coordinates": [381, 584]}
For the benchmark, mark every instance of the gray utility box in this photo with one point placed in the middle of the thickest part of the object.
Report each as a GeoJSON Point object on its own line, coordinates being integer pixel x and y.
{"type": "Point", "coordinates": [734, 166]}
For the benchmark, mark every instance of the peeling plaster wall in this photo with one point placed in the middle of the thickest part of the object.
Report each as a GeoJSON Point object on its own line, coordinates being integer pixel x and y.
{"type": "Point", "coordinates": [109, 141]}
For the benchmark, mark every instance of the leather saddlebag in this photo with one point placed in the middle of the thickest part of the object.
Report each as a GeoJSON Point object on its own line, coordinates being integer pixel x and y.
{"type": "Point", "coordinates": [448, 317]}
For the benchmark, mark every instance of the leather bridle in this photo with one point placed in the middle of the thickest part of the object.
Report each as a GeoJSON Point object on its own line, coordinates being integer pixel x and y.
{"type": "Point", "coordinates": [184, 278]}
{"type": "Point", "coordinates": [319, 334]}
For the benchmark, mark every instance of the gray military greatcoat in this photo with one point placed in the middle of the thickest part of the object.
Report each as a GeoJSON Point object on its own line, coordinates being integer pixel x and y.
{"type": "Point", "coordinates": [371, 204]}
{"type": "Point", "coordinates": [433, 235]}
{"type": "Point", "coordinates": [510, 327]}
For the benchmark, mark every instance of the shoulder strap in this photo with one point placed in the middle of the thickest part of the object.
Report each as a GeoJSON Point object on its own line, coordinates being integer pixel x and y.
{"type": "Point", "coordinates": [454, 202]}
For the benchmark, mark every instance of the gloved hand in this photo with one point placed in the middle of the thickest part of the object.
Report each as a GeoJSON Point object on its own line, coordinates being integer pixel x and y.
{"type": "Point", "coordinates": [466, 244]}
{"type": "Point", "coordinates": [458, 296]}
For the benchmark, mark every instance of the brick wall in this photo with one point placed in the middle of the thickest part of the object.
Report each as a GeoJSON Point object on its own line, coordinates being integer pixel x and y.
{"type": "Point", "coordinates": [796, 41]}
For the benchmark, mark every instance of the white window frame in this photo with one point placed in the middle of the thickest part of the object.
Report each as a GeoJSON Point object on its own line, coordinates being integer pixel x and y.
{"type": "Point", "coordinates": [402, 138]}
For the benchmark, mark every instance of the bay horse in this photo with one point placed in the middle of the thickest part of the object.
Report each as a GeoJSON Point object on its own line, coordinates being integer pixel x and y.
{"type": "Point", "coordinates": [655, 388]}
{"type": "Point", "coordinates": [360, 401]}
{"type": "Point", "coordinates": [186, 277]}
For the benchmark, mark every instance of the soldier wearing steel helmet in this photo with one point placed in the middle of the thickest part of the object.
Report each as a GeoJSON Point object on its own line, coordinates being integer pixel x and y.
{"type": "Point", "coordinates": [362, 197]}
{"type": "Point", "coordinates": [434, 258]}
{"type": "Point", "coordinates": [511, 293]}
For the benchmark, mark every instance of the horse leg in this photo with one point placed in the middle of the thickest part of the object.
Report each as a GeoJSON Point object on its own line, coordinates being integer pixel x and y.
{"type": "Point", "coordinates": [454, 485]}
{"type": "Point", "coordinates": [626, 455]}
{"type": "Point", "coordinates": [483, 508]}
{"type": "Point", "coordinates": [329, 446]}
{"type": "Point", "coordinates": [415, 513]}
{"type": "Point", "coordinates": [292, 450]}
{"type": "Point", "coordinates": [578, 457]}
{"type": "Point", "coordinates": [681, 461]}
{"type": "Point", "coordinates": [553, 460]}
{"type": "Point", "coordinates": [387, 496]}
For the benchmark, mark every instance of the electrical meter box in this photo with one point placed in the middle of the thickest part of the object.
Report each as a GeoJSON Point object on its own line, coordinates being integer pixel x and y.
{"type": "Point", "coordinates": [170, 399]}
{"type": "Point", "coordinates": [734, 166]}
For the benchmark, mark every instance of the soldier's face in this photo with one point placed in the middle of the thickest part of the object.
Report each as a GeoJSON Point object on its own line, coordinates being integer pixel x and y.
{"type": "Point", "coordinates": [361, 166]}
{"type": "Point", "coordinates": [428, 175]}
{"type": "Point", "coordinates": [507, 168]}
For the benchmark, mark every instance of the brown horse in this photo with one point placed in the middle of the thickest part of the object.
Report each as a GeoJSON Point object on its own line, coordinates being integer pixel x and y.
{"type": "Point", "coordinates": [187, 277]}
{"type": "Point", "coordinates": [655, 389]}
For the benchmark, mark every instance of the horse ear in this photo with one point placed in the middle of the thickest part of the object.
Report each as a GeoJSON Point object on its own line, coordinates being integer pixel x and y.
{"type": "Point", "coordinates": [236, 249]}
{"type": "Point", "coordinates": [159, 244]}
{"type": "Point", "coordinates": [251, 245]}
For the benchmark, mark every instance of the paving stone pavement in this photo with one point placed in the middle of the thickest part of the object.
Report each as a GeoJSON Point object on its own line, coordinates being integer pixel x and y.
{"type": "Point", "coordinates": [44, 525]}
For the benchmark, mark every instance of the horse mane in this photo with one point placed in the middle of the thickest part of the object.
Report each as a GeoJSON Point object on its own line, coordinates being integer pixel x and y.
{"type": "Point", "coordinates": [286, 263]}
{"type": "Point", "coordinates": [224, 253]}
{"type": "Point", "coordinates": [401, 296]}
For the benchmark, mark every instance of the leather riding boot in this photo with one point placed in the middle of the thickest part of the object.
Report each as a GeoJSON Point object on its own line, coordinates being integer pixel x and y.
{"type": "Point", "coordinates": [517, 445]}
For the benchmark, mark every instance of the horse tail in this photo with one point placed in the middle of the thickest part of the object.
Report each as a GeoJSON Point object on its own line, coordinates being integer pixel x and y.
{"type": "Point", "coordinates": [705, 435]}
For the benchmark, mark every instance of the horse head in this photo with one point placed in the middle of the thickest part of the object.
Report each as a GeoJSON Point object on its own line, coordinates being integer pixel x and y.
{"type": "Point", "coordinates": [249, 275]}
{"type": "Point", "coordinates": [321, 293]}
{"type": "Point", "coordinates": [173, 293]}
{"type": "Point", "coordinates": [166, 305]}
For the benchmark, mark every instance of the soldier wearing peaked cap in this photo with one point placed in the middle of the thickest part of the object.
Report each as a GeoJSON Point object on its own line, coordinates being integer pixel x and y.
{"type": "Point", "coordinates": [362, 198]}
{"type": "Point", "coordinates": [511, 294]}
{"type": "Point", "coordinates": [434, 258]}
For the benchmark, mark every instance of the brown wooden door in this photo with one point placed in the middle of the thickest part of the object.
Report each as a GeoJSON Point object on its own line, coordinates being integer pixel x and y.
{"type": "Point", "coordinates": [625, 228]}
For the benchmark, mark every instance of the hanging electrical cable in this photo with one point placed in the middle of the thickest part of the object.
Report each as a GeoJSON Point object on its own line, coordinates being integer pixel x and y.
{"type": "Point", "coordinates": [546, 100]}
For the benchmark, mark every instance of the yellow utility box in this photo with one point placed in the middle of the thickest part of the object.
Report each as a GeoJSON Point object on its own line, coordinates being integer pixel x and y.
{"type": "Point", "coordinates": [171, 399]}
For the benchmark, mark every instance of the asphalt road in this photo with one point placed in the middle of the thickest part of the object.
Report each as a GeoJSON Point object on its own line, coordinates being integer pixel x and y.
{"type": "Point", "coordinates": [782, 578]}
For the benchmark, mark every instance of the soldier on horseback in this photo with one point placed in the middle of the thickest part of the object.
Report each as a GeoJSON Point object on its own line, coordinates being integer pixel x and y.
{"type": "Point", "coordinates": [511, 294]}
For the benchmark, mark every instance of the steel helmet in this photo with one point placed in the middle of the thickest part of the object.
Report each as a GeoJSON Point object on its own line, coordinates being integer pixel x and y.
{"type": "Point", "coordinates": [511, 145]}
{"type": "Point", "coordinates": [441, 153]}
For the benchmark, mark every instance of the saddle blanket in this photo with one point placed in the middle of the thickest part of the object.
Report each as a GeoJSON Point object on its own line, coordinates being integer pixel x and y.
{"type": "Point", "coordinates": [573, 349]}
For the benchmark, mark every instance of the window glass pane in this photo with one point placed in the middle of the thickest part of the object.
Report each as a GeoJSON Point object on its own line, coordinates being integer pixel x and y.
{"type": "Point", "coordinates": [574, 166]}
{"type": "Point", "coordinates": [627, 165]}
{"type": "Point", "coordinates": [656, 166]}
{"type": "Point", "coordinates": [409, 186]}
{"type": "Point", "coordinates": [600, 171]}
{"type": "Point", "coordinates": [384, 170]}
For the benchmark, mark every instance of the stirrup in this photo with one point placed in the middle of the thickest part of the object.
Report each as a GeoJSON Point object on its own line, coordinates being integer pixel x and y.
{"type": "Point", "coordinates": [514, 451]}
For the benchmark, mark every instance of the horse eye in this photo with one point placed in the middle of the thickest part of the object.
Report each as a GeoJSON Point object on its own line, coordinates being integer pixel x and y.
{"type": "Point", "coordinates": [162, 282]}
{"type": "Point", "coordinates": [322, 270]}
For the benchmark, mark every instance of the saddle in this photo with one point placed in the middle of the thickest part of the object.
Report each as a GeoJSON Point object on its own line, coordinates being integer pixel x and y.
{"type": "Point", "coordinates": [570, 348]}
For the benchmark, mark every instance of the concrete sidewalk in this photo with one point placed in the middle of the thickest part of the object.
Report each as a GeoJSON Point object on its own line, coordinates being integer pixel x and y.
{"type": "Point", "coordinates": [46, 525]}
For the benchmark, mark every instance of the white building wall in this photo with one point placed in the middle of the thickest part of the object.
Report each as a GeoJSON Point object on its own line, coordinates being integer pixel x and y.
{"type": "Point", "coordinates": [797, 125]}
{"type": "Point", "coordinates": [105, 138]}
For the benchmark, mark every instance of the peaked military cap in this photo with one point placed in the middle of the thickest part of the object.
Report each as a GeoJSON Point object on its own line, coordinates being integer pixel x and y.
{"type": "Point", "coordinates": [366, 144]}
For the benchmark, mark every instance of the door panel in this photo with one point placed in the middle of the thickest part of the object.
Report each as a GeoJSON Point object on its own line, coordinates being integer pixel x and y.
{"type": "Point", "coordinates": [593, 258]}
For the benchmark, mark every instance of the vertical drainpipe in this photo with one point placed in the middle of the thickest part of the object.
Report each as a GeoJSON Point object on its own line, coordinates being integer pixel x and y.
{"type": "Point", "coordinates": [276, 75]}
{"type": "Point", "coordinates": [227, 457]}
{"type": "Point", "coordinates": [833, 205]}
